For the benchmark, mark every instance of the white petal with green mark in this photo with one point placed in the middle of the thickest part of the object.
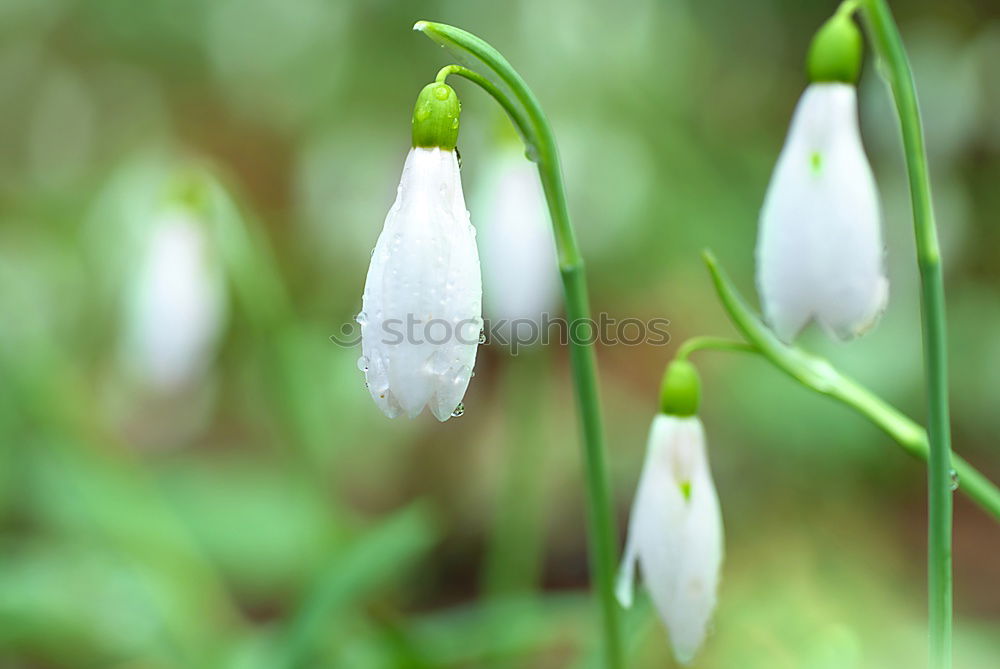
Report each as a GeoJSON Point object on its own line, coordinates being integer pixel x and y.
{"type": "Point", "coordinates": [820, 253]}
{"type": "Point", "coordinates": [675, 533]}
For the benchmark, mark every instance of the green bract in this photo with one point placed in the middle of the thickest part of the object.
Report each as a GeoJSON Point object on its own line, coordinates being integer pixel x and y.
{"type": "Point", "coordinates": [835, 53]}
{"type": "Point", "coordinates": [680, 391]}
{"type": "Point", "coordinates": [435, 117]}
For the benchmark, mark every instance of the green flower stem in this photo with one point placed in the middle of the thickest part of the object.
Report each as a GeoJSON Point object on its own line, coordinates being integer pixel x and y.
{"type": "Point", "coordinates": [819, 375]}
{"type": "Point", "coordinates": [889, 46]}
{"type": "Point", "coordinates": [514, 558]}
{"type": "Point", "coordinates": [541, 148]}
{"type": "Point", "coordinates": [712, 343]}
{"type": "Point", "coordinates": [516, 115]}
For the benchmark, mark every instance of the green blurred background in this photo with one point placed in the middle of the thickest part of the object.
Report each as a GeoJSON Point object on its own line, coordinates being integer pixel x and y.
{"type": "Point", "coordinates": [268, 515]}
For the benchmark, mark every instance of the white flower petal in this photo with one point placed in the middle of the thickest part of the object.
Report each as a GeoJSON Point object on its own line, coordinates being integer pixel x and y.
{"type": "Point", "coordinates": [625, 586]}
{"type": "Point", "coordinates": [675, 533]}
{"type": "Point", "coordinates": [178, 305]}
{"type": "Point", "coordinates": [422, 306]}
{"type": "Point", "coordinates": [820, 252]}
{"type": "Point", "coordinates": [518, 252]}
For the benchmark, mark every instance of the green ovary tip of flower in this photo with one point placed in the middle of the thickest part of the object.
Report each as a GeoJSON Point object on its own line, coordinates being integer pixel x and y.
{"type": "Point", "coordinates": [835, 53]}
{"type": "Point", "coordinates": [435, 117]}
{"type": "Point", "coordinates": [680, 391]}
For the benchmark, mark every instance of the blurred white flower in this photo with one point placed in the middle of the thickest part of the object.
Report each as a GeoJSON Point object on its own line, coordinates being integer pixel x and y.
{"type": "Point", "coordinates": [178, 304]}
{"type": "Point", "coordinates": [520, 273]}
{"type": "Point", "coordinates": [421, 313]}
{"type": "Point", "coordinates": [820, 252]}
{"type": "Point", "coordinates": [675, 533]}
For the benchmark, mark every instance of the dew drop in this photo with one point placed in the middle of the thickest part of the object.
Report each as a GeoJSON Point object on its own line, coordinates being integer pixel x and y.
{"type": "Point", "coordinates": [361, 318]}
{"type": "Point", "coordinates": [437, 364]}
{"type": "Point", "coordinates": [953, 475]}
{"type": "Point", "coordinates": [363, 364]}
{"type": "Point", "coordinates": [482, 336]}
{"type": "Point", "coordinates": [459, 410]}
{"type": "Point", "coordinates": [377, 375]}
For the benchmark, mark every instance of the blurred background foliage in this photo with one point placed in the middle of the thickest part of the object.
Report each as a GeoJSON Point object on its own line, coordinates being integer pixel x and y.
{"type": "Point", "coordinates": [266, 514]}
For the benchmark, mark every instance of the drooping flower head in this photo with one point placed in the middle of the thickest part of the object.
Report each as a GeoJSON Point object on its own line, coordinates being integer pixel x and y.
{"type": "Point", "coordinates": [421, 312]}
{"type": "Point", "coordinates": [520, 279]}
{"type": "Point", "coordinates": [178, 303]}
{"type": "Point", "coordinates": [820, 253]}
{"type": "Point", "coordinates": [675, 529]}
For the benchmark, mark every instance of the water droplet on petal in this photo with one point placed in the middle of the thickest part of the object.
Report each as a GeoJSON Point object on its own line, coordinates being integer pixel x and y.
{"type": "Point", "coordinates": [459, 410]}
{"type": "Point", "coordinates": [437, 364]}
{"type": "Point", "coordinates": [482, 336]}
{"type": "Point", "coordinates": [378, 375]}
{"type": "Point", "coordinates": [363, 364]}
{"type": "Point", "coordinates": [361, 318]}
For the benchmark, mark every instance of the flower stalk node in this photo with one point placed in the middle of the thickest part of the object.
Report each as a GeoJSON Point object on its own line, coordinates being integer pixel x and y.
{"type": "Point", "coordinates": [835, 52]}
{"type": "Point", "coordinates": [435, 117]}
{"type": "Point", "coordinates": [680, 391]}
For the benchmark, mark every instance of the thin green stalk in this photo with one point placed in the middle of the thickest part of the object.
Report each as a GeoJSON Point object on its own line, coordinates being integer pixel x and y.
{"type": "Point", "coordinates": [516, 114]}
{"type": "Point", "coordinates": [514, 558]}
{"type": "Point", "coordinates": [819, 375]}
{"type": "Point", "coordinates": [889, 45]}
{"type": "Point", "coordinates": [541, 147]}
{"type": "Point", "coordinates": [712, 343]}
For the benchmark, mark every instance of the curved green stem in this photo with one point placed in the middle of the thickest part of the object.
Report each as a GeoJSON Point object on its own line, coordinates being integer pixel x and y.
{"type": "Point", "coordinates": [819, 375]}
{"type": "Point", "coordinates": [513, 111]}
{"type": "Point", "coordinates": [541, 146]}
{"type": "Point", "coordinates": [712, 343]}
{"type": "Point", "coordinates": [888, 44]}
{"type": "Point", "coordinates": [848, 7]}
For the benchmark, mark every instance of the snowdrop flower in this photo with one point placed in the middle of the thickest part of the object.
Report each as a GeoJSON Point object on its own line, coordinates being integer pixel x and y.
{"type": "Point", "coordinates": [178, 304]}
{"type": "Point", "coordinates": [675, 529]}
{"type": "Point", "coordinates": [421, 316]}
{"type": "Point", "coordinates": [517, 246]}
{"type": "Point", "coordinates": [820, 250]}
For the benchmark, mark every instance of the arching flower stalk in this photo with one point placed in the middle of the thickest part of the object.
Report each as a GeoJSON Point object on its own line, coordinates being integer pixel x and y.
{"type": "Point", "coordinates": [511, 92]}
{"type": "Point", "coordinates": [820, 251]}
{"type": "Point", "coordinates": [675, 529]}
{"type": "Point", "coordinates": [819, 256]}
{"type": "Point", "coordinates": [421, 312]}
